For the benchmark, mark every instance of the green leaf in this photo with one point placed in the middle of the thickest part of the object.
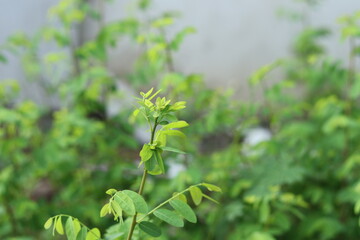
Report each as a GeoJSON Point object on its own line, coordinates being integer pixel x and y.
{"type": "Point", "coordinates": [133, 116]}
{"type": "Point", "coordinates": [70, 229]}
{"type": "Point", "coordinates": [211, 199]}
{"type": "Point", "coordinates": [180, 197]}
{"type": "Point", "coordinates": [58, 226]}
{"type": "Point", "coordinates": [184, 210]}
{"type": "Point", "coordinates": [211, 187]}
{"type": "Point", "coordinates": [178, 124]}
{"type": "Point", "coordinates": [154, 95]}
{"type": "Point", "coordinates": [150, 228]}
{"type": "Point", "coordinates": [161, 139]}
{"type": "Point", "coordinates": [170, 217]}
{"type": "Point", "coordinates": [82, 234]}
{"type": "Point", "coordinates": [48, 223]}
{"type": "Point", "coordinates": [104, 210]}
{"type": "Point", "coordinates": [111, 191]}
{"type": "Point", "coordinates": [93, 234]}
{"type": "Point", "coordinates": [146, 153]}
{"type": "Point", "coordinates": [152, 166]}
{"type": "Point", "coordinates": [159, 160]}
{"type": "Point", "coordinates": [125, 203]}
{"type": "Point", "coordinates": [196, 195]}
{"type": "Point", "coordinates": [77, 226]}
{"type": "Point", "coordinates": [148, 93]}
{"type": "Point", "coordinates": [170, 149]}
{"type": "Point", "coordinates": [117, 209]}
{"type": "Point", "coordinates": [178, 106]}
{"type": "Point", "coordinates": [173, 133]}
{"type": "Point", "coordinates": [139, 202]}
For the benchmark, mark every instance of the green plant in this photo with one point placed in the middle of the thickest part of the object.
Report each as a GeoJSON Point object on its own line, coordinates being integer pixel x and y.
{"type": "Point", "coordinates": [71, 135]}
{"type": "Point", "coordinates": [125, 202]}
{"type": "Point", "coordinates": [303, 181]}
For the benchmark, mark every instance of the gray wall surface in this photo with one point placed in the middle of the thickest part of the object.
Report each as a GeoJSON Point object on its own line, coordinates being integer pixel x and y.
{"type": "Point", "coordinates": [233, 39]}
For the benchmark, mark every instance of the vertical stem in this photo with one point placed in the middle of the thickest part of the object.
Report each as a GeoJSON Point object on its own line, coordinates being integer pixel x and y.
{"type": "Point", "coordinates": [133, 223]}
{"type": "Point", "coordinates": [142, 184]}
{"type": "Point", "coordinates": [143, 180]}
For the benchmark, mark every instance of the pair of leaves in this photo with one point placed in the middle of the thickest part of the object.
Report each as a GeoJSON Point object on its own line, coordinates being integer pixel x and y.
{"type": "Point", "coordinates": [155, 165]}
{"type": "Point", "coordinates": [146, 152]}
{"type": "Point", "coordinates": [182, 210]}
{"type": "Point", "coordinates": [197, 195]}
{"type": "Point", "coordinates": [74, 230]}
{"type": "Point", "coordinates": [151, 156]}
{"type": "Point", "coordinates": [125, 201]}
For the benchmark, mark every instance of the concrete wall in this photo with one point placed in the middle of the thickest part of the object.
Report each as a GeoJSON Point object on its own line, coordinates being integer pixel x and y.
{"type": "Point", "coordinates": [234, 37]}
{"type": "Point", "coordinates": [22, 16]}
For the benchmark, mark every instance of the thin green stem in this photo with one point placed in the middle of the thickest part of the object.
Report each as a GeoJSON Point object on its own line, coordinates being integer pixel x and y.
{"type": "Point", "coordinates": [133, 223]}
{"type": "Point", "coordinates": [143, 180]}
{"type": "Point", "coordinates": [153, 131]}
{"type": "Point", "coordinates": [142, 184]}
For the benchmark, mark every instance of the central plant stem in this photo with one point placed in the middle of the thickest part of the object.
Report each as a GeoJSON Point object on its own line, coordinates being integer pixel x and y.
{"type": "Point", "coordinates": [142, 184]}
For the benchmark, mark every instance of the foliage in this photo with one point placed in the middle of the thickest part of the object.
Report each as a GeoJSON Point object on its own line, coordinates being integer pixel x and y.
{"type": "Point", "coordinates": [302, 183]}
{"type": "Point", "coordinates": [132, 204]}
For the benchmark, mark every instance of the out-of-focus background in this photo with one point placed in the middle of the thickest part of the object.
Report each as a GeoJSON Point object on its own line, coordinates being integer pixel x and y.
{"type": "Point", "coordinates": [232, 40]}
{"type": "Point", "coordinates": [272, 90]}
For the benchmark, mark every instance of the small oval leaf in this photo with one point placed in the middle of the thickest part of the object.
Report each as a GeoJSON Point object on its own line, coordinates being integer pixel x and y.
{"type": "Point", "coordinates": [48, 223]}
{"type": "Point", "coordinates": [117, 210]}
{"type": "Point", "coordinates": [58, 226]}
{"type": "Point", "coordinates": [184, 210]}
{"type": "Point", "coordinates": [70, 229]}
{"type": "Point", "coordinates": [77, 226]}
{"type": "Point", "coordinates": [170, 217]}
{"type": "Point", "coordinates": [150, 228]}
{"type": "Point", "coordinates": [178, 124]}
{"type": "Point", "coordinates": [125, 203]}
{"type": "Point", "coordinates": [181, 197]}
{"type": "Point", "coordinates": [212, 187]}
{"type": "Point", "coordinates": [82, 234]}
{"type": "Point", "coordinates": [170, 149]}
{"type": "Point", "coordinates": [145, 153]}
{"type": "Point", "coordinates": [139, 202]}
{"type": "Point", "coordinates": [93, 234]}
{"type": "Point", "coordinates": [111, 191]}
{"type": "Point", "coordinates": [196, 195]}
{"type": "Point", "coordinates": [104, 210]}
{"type": "Point", "coordinates": [152, 166]}
{"type": "Point", "coordinates": [159, 160]}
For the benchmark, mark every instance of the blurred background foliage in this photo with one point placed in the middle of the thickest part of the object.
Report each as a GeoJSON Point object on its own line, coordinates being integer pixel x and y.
{"type": "Point", "coordinates": [301, 182]}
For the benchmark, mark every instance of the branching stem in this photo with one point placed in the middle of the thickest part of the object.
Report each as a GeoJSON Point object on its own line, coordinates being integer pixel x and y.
{"type": "Point", "coordinates": [142, 184]}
